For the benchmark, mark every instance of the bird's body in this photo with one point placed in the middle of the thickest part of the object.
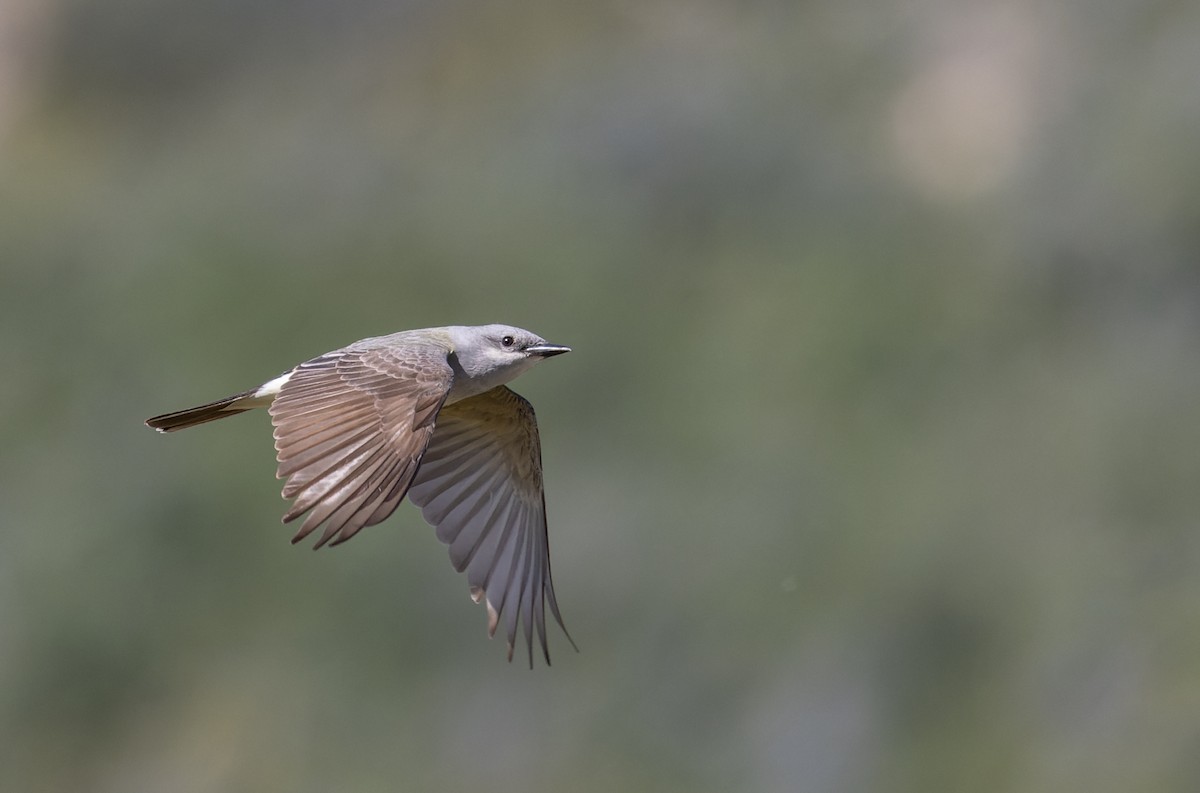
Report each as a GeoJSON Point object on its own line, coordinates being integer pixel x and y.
{"type": "Point", "coordinates": [423, 413]}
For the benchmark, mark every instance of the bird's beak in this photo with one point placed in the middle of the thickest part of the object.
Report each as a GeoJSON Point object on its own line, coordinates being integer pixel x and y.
{"type": "Point", "coordinates": [546, 350]}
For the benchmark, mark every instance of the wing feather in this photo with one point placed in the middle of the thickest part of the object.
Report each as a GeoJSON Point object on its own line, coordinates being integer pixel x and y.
{"type": "Point", "coordinates": [480, 485]}
{"type": "Point", "coordinates": [350, 430]}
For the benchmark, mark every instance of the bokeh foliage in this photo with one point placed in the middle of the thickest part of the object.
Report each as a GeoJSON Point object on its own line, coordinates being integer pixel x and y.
{"type": "Point", "coordinates": [874, 467]}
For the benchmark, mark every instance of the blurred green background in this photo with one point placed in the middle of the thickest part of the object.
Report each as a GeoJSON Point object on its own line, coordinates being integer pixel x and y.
{"type": "Point", "coordinates": [874, 468]}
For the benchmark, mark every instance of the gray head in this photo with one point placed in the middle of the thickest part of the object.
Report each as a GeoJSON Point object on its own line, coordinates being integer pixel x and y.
{"type": "Point", "coordinates": [491, 355]}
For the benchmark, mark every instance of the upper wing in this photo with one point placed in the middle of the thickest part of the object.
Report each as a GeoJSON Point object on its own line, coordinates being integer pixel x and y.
{"type": "Point", "coordinates": [350, 429]}
{"type": "Point", "coordinates": [480, 485]}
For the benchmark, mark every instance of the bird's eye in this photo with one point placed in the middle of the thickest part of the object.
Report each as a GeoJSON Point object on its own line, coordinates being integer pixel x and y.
{"type": "Point", "coordinates": [507, 341]}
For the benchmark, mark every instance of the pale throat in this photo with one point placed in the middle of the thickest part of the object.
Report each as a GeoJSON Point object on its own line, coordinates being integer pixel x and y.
{"type": "Point", "coordinates": [479, 376]}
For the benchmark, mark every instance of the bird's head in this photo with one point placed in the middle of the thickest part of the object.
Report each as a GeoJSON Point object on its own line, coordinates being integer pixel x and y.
{"type": "Point", "coordinates": [498, 353]}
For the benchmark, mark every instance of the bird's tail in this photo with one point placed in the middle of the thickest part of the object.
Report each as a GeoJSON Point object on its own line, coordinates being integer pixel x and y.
{"type": "Point", "coordinates": [238, 403]}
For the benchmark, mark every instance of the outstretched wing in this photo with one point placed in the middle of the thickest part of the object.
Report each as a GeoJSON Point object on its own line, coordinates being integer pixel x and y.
{"type": "Point", "coordinates": [480, 486]}
{"type": "Point", "coordinates": [350, 429]}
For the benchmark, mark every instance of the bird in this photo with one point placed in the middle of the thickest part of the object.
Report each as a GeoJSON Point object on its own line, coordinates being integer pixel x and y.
{"type": "Point", "coordinates": [423, 413]}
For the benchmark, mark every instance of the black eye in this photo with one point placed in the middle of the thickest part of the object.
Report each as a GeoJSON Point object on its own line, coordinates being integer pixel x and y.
{"type": "Point", "coordinates": [507, 341]}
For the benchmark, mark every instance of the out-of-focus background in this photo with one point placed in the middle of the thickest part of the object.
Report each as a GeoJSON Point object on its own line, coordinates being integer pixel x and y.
{"type": "Point", "coordinates": [875, 467]}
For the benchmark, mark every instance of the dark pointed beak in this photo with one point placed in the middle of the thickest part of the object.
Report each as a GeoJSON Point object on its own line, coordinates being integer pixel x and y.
{"type": "Point", "coordinates": [546, 350]}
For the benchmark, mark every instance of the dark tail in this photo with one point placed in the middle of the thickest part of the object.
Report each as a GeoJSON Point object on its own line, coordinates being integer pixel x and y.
{"type": "Point", "coordinates": [169, 422]}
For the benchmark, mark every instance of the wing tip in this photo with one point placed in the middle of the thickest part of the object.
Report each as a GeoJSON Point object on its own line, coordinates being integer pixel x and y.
{"type": "Point", "coordinates": [479, 595]}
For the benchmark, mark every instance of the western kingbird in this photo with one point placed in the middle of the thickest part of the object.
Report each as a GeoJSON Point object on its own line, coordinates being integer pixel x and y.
{"type": "Point", "coordinates": [423, 412]}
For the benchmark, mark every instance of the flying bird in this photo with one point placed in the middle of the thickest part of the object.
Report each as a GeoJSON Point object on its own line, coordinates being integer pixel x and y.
{"type": "Point", "coordinates": [423, 413]}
